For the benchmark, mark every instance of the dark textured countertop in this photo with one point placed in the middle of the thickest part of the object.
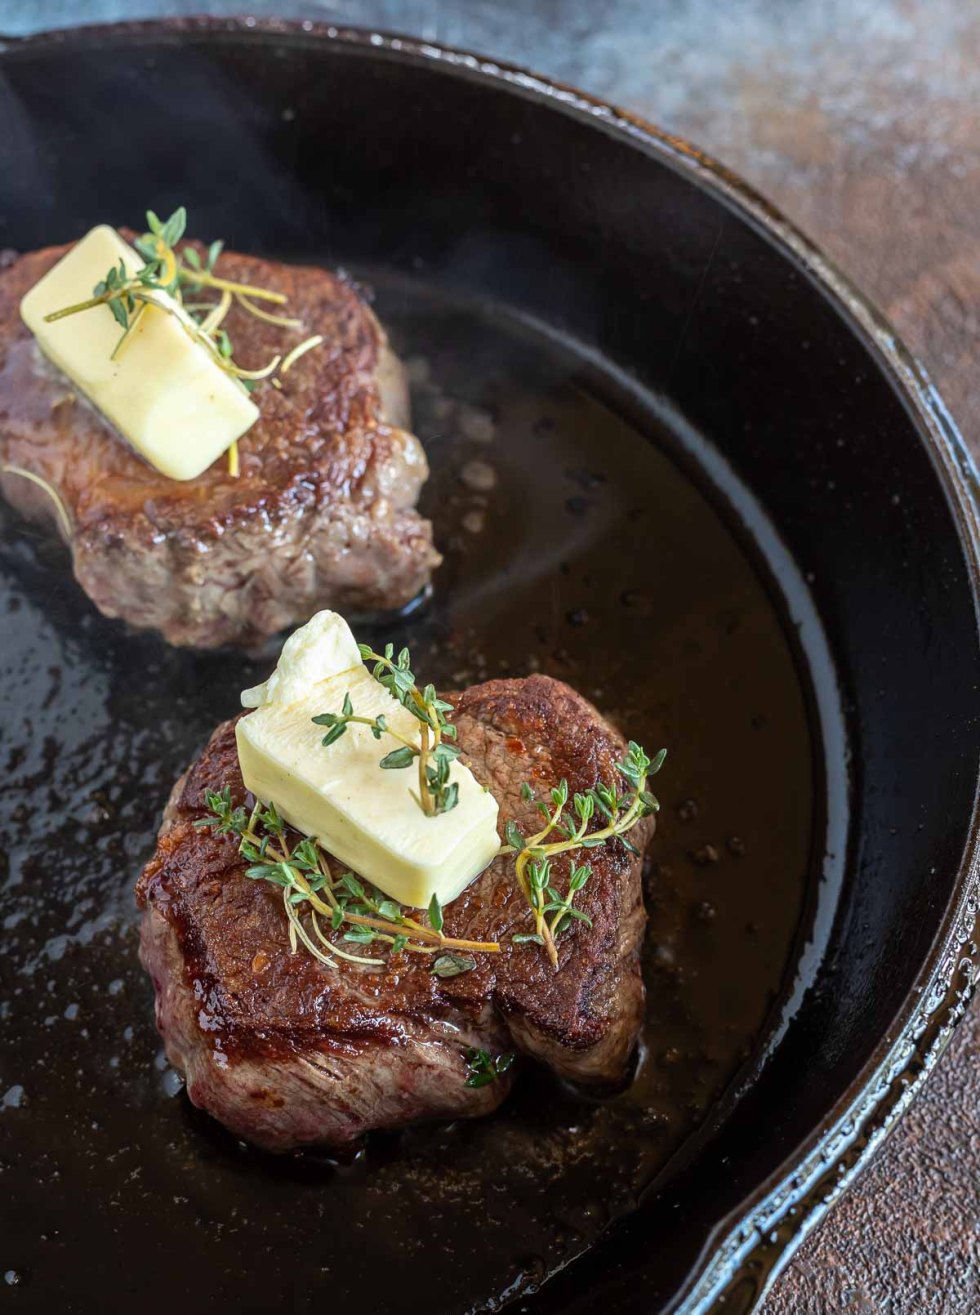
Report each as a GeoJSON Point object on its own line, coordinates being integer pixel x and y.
{"type": "Point", "coordinates": [861, 120]}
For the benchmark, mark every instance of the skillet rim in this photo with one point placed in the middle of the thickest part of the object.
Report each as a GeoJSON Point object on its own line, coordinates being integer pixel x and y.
{"type": "Point", "coordinates": [750, 1246]}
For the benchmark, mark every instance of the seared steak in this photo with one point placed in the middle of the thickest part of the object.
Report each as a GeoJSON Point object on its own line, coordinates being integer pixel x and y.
{"type": "Point", "coordinates": [284, 1051]}
{"type": "Point", "coordinates": [323, 514]}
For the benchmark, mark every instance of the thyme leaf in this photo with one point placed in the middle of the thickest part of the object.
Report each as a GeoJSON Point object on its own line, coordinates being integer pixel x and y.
{"type": "Point", "coordinates": [435, 914]}
{"type": "Point", "coordinates": [433, 752]}
{"type": "Point", "coordinates": [451, 965]}
{"type": "Point", "coordinates": [484, 1068]}
{"type": "Point", "coordinates": [618, 811]}
{"type": "Point", "coordinates": [222, 817]}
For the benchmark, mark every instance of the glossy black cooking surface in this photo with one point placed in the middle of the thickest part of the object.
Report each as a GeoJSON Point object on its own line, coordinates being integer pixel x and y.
{"type": "Point", "coordinates": [574, 547]}
{"type": "Point", "coordinates": [613, 371]}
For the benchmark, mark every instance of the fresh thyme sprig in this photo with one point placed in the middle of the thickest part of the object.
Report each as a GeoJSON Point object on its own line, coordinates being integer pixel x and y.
{"type": "Point", "coordinates": [484, 1068]}
{"type": "Point", "coordinates": [437, 794]}
{"type": "Point", "coordinates": [168, 272]}
{"type": "Point", "coordinates": [364, 915]}
{"type": "Point", "coordinates": [604, 813]}
{"type": "Point", "coordinates": [621, 811]}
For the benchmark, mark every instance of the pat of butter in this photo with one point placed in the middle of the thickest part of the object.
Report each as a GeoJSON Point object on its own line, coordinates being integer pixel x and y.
{"type": "Point", "coordinates": [369, 818]}
{"type": "Point", "coordinates": [164, 392]}
{"type": "Point", "coordinates": [322, 648]}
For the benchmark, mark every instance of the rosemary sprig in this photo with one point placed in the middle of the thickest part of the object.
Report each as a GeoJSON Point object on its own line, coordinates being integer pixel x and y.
{"type": "Point", "coordinates": [620, 808]}
{"type": "Point", "coordinates": [437, 794]}
{"type": "Point", "coordinates": [484, 1068]}
{"type": "Point", "coordinates": [168, 272]}
{"type": "Point", "coordinates": [365, 916]}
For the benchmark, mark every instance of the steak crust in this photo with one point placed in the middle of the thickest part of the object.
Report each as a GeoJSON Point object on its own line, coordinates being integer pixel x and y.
{"type": "Point", "coordinates": [323, 514]}
{"type": "Point", "coordinates": [285, 1051]}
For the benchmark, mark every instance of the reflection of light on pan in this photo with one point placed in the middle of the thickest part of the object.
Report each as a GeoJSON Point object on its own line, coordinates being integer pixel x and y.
{"type": "Point", "coordinates": [536, 557]}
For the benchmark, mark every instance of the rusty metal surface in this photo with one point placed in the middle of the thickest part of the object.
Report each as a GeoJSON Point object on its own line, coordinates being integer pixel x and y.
{"type": "Point", "coordinates": [861, 120]}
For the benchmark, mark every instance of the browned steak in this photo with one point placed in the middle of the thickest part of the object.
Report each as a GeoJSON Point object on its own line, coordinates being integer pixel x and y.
{"type": "Point", "coordinates": [323, 514]}
{"type": "Point", "coordinates": [285, 1051]}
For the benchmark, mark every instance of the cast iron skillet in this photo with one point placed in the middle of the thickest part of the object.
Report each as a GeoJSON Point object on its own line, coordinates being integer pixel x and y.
{"type": "Point", "coordinates": [726, 503]}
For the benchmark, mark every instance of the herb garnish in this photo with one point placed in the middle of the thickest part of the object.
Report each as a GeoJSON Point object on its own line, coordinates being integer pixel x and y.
{"type": "Point", "coordinates": [64, 520]}
{"type": "Point", "coordinates": [309, 886]}
{"type": "Point", "coordinates": [535, 854]}
{"type": "Point", "coordinates": [168, 272]}
{"type": "Point", "coordinates": [609, 810]}
{"type": "Point", "coordinates": [621, 809]}
{"type": "Point", "coordinates": [451, 965]}
{"type": "Point", "coordinates": [436, 793]}
{"type": "Point", "coordinates": [483, 1068]}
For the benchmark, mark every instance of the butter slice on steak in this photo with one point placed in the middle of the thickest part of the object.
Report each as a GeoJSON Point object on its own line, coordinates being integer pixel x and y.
{"type": "Point", "coordinates": [286, 1052]}
{"type": "Point", "coordinates": [323, 514]}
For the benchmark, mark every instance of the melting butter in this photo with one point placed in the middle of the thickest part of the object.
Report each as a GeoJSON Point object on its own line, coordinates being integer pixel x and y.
{"type": "Point", "coordinates": [164, 393]}
{"type": "Point", "coordinates": [369, 818]}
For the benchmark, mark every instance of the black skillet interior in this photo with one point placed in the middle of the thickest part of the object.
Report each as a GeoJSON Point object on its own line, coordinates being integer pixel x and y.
{"type": "Point", "coordinates": [614, 372]}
